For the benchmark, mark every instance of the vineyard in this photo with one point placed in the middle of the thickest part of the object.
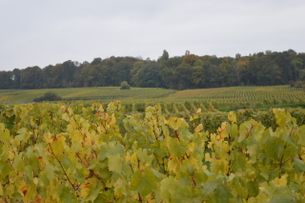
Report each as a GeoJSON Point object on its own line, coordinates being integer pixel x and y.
{"type": "Point", "coordinates": [245, 95]}
{"type": "Point", "coordinates": [174, 101]}
{"type": "Point", "coordinates": [80, 152]}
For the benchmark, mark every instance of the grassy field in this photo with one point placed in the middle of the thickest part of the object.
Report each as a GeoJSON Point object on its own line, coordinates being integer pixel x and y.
{"type": "Point", "coordinates": [227, 97]}
{"type": "Point", "coordinates": [90, 93]}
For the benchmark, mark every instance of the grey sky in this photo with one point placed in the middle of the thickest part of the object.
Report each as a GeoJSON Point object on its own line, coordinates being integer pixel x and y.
{"type": "Point", "coordinates": [42, 32]}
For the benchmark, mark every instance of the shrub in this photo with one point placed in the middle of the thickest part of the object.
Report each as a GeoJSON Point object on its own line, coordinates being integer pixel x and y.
{"type": "Point", "coordinates": [49, 96]}
{"type": "Point", "coordinates": [298, 84]}
{"type": "Point", "coordinates": [125, 85]}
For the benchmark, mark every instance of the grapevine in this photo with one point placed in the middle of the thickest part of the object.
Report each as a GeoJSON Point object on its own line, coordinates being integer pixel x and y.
{"type": "Point", "coordinates": [93, 153]}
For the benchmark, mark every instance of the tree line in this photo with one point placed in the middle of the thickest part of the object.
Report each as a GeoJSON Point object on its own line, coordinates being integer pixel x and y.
{"type": "Point", "coordinates": [179, 72]}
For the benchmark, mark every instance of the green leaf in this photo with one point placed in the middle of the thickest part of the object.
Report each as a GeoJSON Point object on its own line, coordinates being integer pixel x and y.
{"type": "Point", "coordinates": [173, 190]}
{"type": "Point", "coordinates": [299, 164]}
{"type": "Point", "coordinates": [110, 149]}
{"type": "Point", "coordinates": [1, 190]}
{"type": "Point", "coordinates": [175, 148]}
{"type": "Point", "coordinates": [301, 135]}
{"type": "Point", "coordinates": [115, 163]}
{"type": "Point", "coordinates": [144, 182]}
{"type": "Point", "coordinates": [282, 198]}
{"type": "Point", "coordinates": [66, 195]}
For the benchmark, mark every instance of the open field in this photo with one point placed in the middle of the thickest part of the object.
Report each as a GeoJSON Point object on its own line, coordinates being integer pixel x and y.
{"type": "Point", "coordinates": [226, 97]}
{"type": "Point", "coordinates": [90, 93]}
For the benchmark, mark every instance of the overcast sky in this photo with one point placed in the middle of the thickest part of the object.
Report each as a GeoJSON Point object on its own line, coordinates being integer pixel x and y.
{"type": "Point", "coordinates": [43, 32]}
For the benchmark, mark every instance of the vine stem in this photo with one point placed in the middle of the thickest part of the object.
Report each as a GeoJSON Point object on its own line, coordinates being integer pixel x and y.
{"type": "Point", "coordinates": [229, 154]}
{"type": "Point", "coordinates": [63, 169]}
{"type": "Point", "coordinates": [177, 135]}
{"type": "Point", "coordinates": [282, 161]}
{"type": "Point", "coordinates": [140, 197]}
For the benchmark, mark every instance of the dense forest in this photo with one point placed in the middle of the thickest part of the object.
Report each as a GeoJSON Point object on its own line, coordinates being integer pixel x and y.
{"type": "Point", "coordinates": [183, 72]}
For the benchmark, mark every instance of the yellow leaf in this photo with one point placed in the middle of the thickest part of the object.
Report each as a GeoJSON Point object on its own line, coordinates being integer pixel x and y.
{"type": "Point", "coordinates": [199, 128]}
{"type": "Point", "coordinates": [84, 189]}
{"type": "Point", "coordinates": [279, 182]}
{"type": "Point", "coordinates": [191, 147]}
{"type": "Point", "coordinates": [23, 189]}
{"type": "Point", "coordinates": [89, 189]}
{"type": "Point", "coordinates": [232, 117]}
{"type": "Point", "coordinates": [58, 144]}
{"type": "Point", "coordinates": [35, 181]}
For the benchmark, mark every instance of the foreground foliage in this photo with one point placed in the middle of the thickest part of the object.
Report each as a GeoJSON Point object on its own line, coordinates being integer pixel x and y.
{"type": "Point", "coordinates": [61, 153]}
